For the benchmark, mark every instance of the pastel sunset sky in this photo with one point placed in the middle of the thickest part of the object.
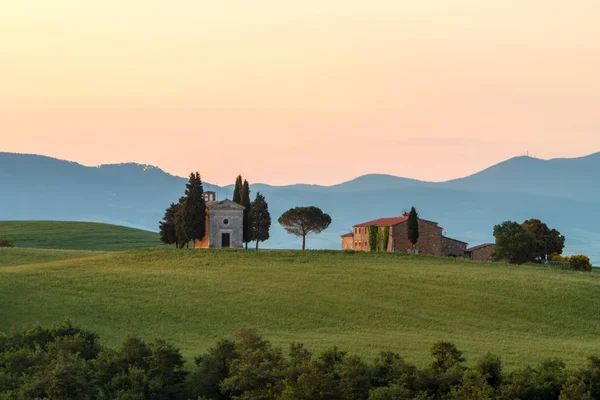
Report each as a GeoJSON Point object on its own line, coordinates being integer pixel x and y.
{"type": "Point", "coordinates": [314, 91]}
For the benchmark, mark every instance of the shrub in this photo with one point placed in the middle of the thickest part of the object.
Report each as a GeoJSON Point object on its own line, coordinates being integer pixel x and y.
{"type": "Point", "coordinates": [373, 237]}
{"type": "Point", "coordinates": [580, 263]}
{"type": "Point", "coordinates": [6, 242]}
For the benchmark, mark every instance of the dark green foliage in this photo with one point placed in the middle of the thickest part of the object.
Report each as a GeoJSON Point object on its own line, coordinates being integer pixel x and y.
{"type": "Point", "coordinates": [258, 370]}
{"type": "Point", "coordinates": [211, 369]}
{"type": "Point", "coordinates": [180, 231]}
{"type": "Point", "coordinates": [260, 220]}
{"type": "Point", "coordinates": [373, 237]}
{"type": "Point", "coordinates": [237, 191]}
{"type": "Point", "coordinates": [548, 241]}
{"type": "Point", "coordinates": [474, 386]}
{"type": "Point", "coordinates": [6, 242]}
{"type": "Point", "coordinates": [302, 221]}
{"type": "Point", "coordinates": [412, 227]}
{"type": "Point", "coordinates": [247, 210]}
{"type": "Point", "coordinates": [514, 243]}
{"type": "Point", "coordinates": [167, 231]}
{"type": "Point", "coordinates": [446, 357]}
{"type": "Point", "coordinates": [591, 375]}
{"type": "Point", "coordinates": [542, 383]}
{"type": "Point", "coordinates": [195, 208]}
{"type": "Point", "coordinates": [385, 239]}
{"type": "Point", "coordinates": [580, 263]}
{"type": "Point", "coordinates": [393, 392]}
{"type": "Point", "coordinates": [66, 362]}
{"type": "Point", "coordinates": [490, 367]}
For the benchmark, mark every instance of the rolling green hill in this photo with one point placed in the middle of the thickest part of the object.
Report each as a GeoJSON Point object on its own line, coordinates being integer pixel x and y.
{"type": "Point", "coordinates": [77, 236]}
{"type": "Point", "coordinates": [361, 302]}
{"type": "Point", "coordinates": [10, 257]}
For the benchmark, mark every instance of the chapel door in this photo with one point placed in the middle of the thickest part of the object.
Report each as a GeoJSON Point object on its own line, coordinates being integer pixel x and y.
{"type": "Point", "coordinates": [225, 240]}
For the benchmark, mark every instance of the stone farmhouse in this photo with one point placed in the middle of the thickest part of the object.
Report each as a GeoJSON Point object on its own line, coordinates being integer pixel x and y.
{"type": "Point", "coordinates": [483, 252]}
{"type": "Point", "coordinates": [431, 239]}
{"type": "Point", "coordinates": [224, 224]}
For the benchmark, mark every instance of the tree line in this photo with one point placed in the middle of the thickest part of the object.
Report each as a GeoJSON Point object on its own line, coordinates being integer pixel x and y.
{"type": "Point", "coordinates": [534, 241]}
{"type": "Point", "coordinates": [67, 362]}
{"type": "Point", "coordinates": [185, 220]}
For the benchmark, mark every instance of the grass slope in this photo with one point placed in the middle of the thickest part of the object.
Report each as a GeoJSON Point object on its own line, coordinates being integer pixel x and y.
{"type": "Point", "coordinates": [361, 302]}
{"type": "Point", "coordinates": [77, 236]}
{"type": "Point", "coordinates": [10, 257]}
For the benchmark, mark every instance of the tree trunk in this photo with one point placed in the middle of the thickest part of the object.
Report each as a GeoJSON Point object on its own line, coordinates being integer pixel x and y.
{"type": "Point", "coordinates": [256, 244]}
{"type": "Point", "coordinates": [303, 241]}
{"type": "Point", "coordinates": [246, 245]}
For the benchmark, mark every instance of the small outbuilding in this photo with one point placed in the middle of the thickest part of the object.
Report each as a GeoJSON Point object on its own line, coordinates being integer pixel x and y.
{"type": "Point", "coordinates": [483, 252]}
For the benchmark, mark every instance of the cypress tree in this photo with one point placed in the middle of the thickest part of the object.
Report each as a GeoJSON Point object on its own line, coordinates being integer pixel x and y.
{"type": "Point", "coordinates": [412, 226]}
{"type": "Point", "coordinates": [237, 191]}
{"type": "Point", "coordinates": [260, 219]}
{"type": "Point", "coordinates": [246, 203]}
{"type": "Point", "coordinates": [179, 219]}
{"type": "Point", "coordinates": [195, 208]}
{"type": "Point", "coordinates": [167, 226]}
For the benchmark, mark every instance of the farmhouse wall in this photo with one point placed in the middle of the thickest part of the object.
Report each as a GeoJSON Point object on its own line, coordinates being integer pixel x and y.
{"type": "Point", "coordinates": [347, 242]}
{"type": "Point", "coordinates": [361, 238]}
{"type": "Point", "coordinates": [452, 247]}
{"type": "Point", "coordinates": [483, 253]}
{"type": "Point", "coordinates": [430, 238]}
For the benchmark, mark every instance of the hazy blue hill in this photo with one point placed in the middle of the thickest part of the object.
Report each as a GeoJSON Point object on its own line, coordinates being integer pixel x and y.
{"type": "Point", "coordinates": [575, 178]}
{"type": "Point", "coordinates": [563, 192]}
{"type": "Point", "coordinates": [375, 182]}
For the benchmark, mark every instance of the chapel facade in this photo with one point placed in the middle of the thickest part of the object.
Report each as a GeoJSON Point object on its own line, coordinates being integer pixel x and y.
{"type": "Point", "coordinates": [224, 224]}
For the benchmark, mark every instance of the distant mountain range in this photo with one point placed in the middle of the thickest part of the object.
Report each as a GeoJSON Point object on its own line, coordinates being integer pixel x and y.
{"type": "Point", "coordinates": [565, 193]}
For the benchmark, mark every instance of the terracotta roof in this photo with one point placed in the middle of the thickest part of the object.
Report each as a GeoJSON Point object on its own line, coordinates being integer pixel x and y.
{"type": "Point", "coordinates": [481, 246]}
{"type": "Point", "coordinates": [384, 221]}
{"type": "Point", "coordinates": [454, 240]}
{"type": "Point", "coordinates": [348, 234]}
{"type": "Point", "coordinates": [391, 221]}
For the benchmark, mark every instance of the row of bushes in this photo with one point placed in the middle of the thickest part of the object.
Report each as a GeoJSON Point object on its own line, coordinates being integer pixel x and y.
{"type": "Point", "coordinates": [577, 262]}
{"type": "Point", "coordinates": [66, 362]}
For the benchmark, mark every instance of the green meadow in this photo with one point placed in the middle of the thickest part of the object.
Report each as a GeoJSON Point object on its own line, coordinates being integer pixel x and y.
{"type": "Point", "coordinates": [363, 303]}
{"type": "Point", "coordinates": [77, 236]}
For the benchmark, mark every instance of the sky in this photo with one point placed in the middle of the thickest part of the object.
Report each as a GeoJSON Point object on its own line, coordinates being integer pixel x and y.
{"type": "Point", "coordinates": [308, 91]}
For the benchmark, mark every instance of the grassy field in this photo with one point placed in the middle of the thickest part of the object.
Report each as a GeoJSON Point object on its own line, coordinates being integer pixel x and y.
{"type": "Point", "coordinates": [10, 257]}
{"type": "Point", "coordinates": [361, 302]}
{"type": "Point", "coordinates": [77, 236]}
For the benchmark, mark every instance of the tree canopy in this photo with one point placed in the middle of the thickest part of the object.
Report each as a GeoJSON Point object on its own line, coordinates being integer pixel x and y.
{"type": "Point", "coordinates": [260, 220]}
{"type": "Point", "coordinates": [514, 243]}
{"type": "Point", "coordinates": [237, 191]}
{"type": "Point", "coordinates": [302, 221]}
{"type": "Point", "coordinates": [67, 362]}
{"type": "Point", "coordinates": [548, 241]}
{"type": "Point", "coordinates": [167, 231]}
{"type": "Point", "coordinates": [412, 227]}
{"type": "Point", "coordinates": [247, 234]}
{"type": "Point", "coordinates": [195, 208]}
{"type": "Point", "coordinates": [180, 232]}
